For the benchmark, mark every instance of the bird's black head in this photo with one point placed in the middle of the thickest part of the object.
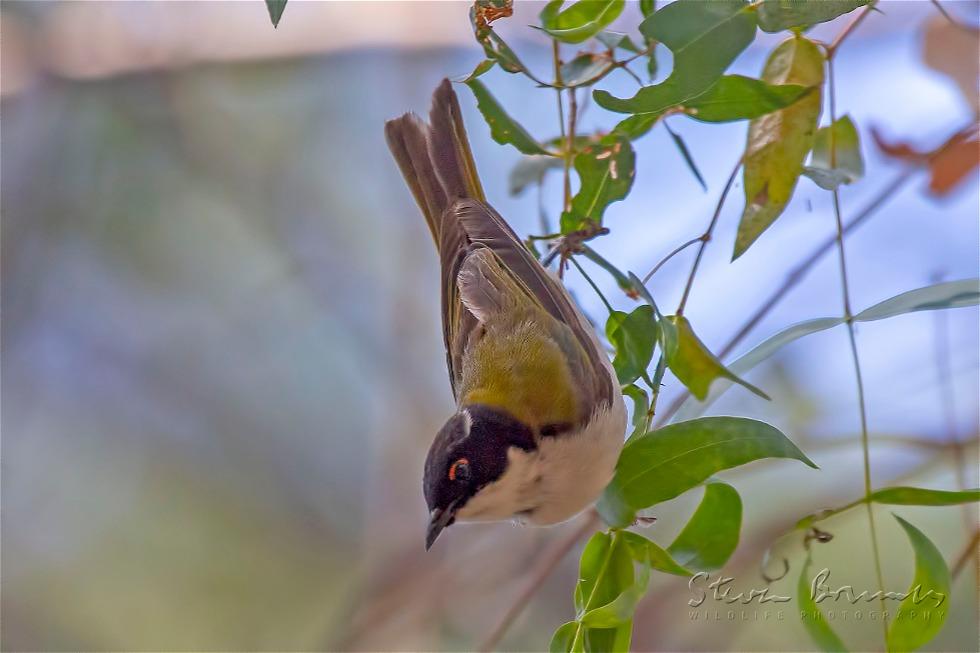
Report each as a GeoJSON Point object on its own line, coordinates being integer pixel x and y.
{"type": "Point", "coordinates": [469, 453]}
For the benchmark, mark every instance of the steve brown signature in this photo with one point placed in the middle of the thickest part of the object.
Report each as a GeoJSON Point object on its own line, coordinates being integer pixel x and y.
{"type": "Point", "coordinates": [820, 590]}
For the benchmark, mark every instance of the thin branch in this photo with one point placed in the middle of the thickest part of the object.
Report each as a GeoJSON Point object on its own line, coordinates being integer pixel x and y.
{"type": "Point", "coordinates": [968, 551]}
{"type": "Point", "coordinates": [543, 567]}
{"type": "Point", "coordinates": [848, 30]}
{"type": "Point", "coordinates": [556, 59]}
{"type": "Point", "coordinates": [592, 283]}
{"type": "Point", "coordinates": [849, 320]}
{"type": "Point", "coordinates": [706, 237]}
{"type": "Point", "coordinates": [570, 146]}
{"type": "Point", "coordinates": [948, 398]}
{"type": "Point", "coordinates": [676, 251]}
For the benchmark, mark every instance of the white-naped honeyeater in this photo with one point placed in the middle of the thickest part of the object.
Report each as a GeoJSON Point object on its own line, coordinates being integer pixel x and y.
{"type": "Point", "coordinates": [539, 418]}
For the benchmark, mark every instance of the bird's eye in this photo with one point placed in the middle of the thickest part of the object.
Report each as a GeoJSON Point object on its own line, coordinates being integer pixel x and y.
{"type": "Point", "coordinates": [460, 470]}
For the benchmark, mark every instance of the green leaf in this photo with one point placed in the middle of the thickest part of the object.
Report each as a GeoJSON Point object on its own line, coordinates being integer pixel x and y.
{"type": "Point", "coordinates": [617, 40]}
{"type": "Point", "coordinates": [606, 170]}
{"type": "Point", "coordinates": [704, 37]}
{"type": "Point", "coordinates": [634, 336]}
{"type": "Point", "coordinates": [275, 7]}
{"type": "Point", "coordinates": [691, 362]}
{"type": "Point", "coordinates": [591, 563]}
{"type": "Point", "coordinates": [686, 154]}
{"type": "Point", "coordinates": [928, 593]}
{"type": "Point", "coordinates": [950, 294]}
{"type": "Point", "coordinates": [620, 610]}
{"type": "Point", "coordinates": [646, 552]}
{"type": "Point", "coordinates": [586, 68]}
{"type": "Point", "coordinates": [625, 283]}
{"type": "Point", "coordinates": [637, 125]}
{"type": "Point", "coordinates": [641, 404]}
{"type": "Point", "coordinates": [811, 616]}
{"type": "Point", "coordinates": [777, 15]}
{"type": "Point", "coordinates": [898, 496]}
{"type": "Point", "coordinates": [665, 463]}
{"type": "Point", "coordinates": [503, 128]}
{"type": "Point", "coordinates": [605, 571]}
{"type": "Point", "coordinates": [530, 170]}
{"type": "Point", "coordinates": [479, 70]}
{"type": "Point", "coordinates": [778, 142]}
{"type": "Point", "coordinates": [917, 496]}
{"type": "Point", "coordinates": [846, 166]}
{"type": "Point", "coordinates": [734, 97]}
{"type": "Point", "coordinates": [647, 7]}
{"type": "Point", "coordinates": [711, 535]}
{"type": "Point", "coordinates": [561, 641]}
{"type": "Point", "coordinates": [580, 21]}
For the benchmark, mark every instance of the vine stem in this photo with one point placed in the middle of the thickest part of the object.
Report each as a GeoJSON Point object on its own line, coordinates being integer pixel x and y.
{"type": "Point", "coordinates": [849, 320]}
{"type": "Point", "coordinates": [540, 573]}
{"type": "Point", "coordinates": [705, 238]}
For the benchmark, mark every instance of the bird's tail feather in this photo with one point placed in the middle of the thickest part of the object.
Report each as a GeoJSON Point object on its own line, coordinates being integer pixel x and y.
{"type": "Point", "coordinates": [435, 158]}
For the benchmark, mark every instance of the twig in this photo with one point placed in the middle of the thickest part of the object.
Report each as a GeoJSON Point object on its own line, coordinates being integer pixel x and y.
{"type": "Point", "coordinates": [556, 58]}
{"type": "Point", "coordinates": [542, 569]}
{"type": "Point", "coordinates": [592, 283]}
{"type": "Point", "coordinates": [570, 147]}
{"type": "Point", "coordinates": [948, 399]}
{"type": "Point", "coordinates": [676, 251]}
{"type": "Point", "coordinates": [949, 17]}
{"type": "Point", "coordinates": [706, 237]}
{"type": "Point", "coordinates": [795, 276]}
{"type": "Point", "coordinates": [848, 30]}
{"type": "Point", "coordinates": [966, 554]}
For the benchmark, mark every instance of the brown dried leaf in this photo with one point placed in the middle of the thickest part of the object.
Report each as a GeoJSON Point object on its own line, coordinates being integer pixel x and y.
{"type": "Point", "coordinates": [952, 50]}
{"type": "Point", "coordinates": [953, 164]}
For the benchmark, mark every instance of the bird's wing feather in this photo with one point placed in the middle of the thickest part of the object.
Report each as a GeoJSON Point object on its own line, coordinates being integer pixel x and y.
{"type": "Point", "coordinates": [438, 167]}
{"type": "Point", "coordinates": [486, 230]}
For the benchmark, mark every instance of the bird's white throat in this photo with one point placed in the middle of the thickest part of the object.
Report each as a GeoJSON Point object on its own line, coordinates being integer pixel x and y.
{"type": "Point", "coordinates": [559, 479]}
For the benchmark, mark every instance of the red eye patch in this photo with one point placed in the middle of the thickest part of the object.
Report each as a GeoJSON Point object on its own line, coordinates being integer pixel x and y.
{"type": "Point", "coordinates": [459, 468]}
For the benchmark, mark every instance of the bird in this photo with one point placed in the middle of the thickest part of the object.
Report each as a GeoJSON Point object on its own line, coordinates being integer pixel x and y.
{"type": "Point", "coordinates": [540, 418]}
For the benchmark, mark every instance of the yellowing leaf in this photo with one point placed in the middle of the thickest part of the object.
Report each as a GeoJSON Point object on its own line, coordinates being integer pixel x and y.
{"type": "Point", "coordinates": [779, 142]}
{"type": "Point", "coordinates": [691, 362]}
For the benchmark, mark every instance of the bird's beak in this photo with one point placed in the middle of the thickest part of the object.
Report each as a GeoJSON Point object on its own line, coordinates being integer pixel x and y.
{"type": "Point", "coordinates": [438, 520]}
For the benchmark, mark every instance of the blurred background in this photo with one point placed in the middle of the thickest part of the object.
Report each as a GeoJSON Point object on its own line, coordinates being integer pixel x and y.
{"type": "Point", "coordinates": [222, 361]}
